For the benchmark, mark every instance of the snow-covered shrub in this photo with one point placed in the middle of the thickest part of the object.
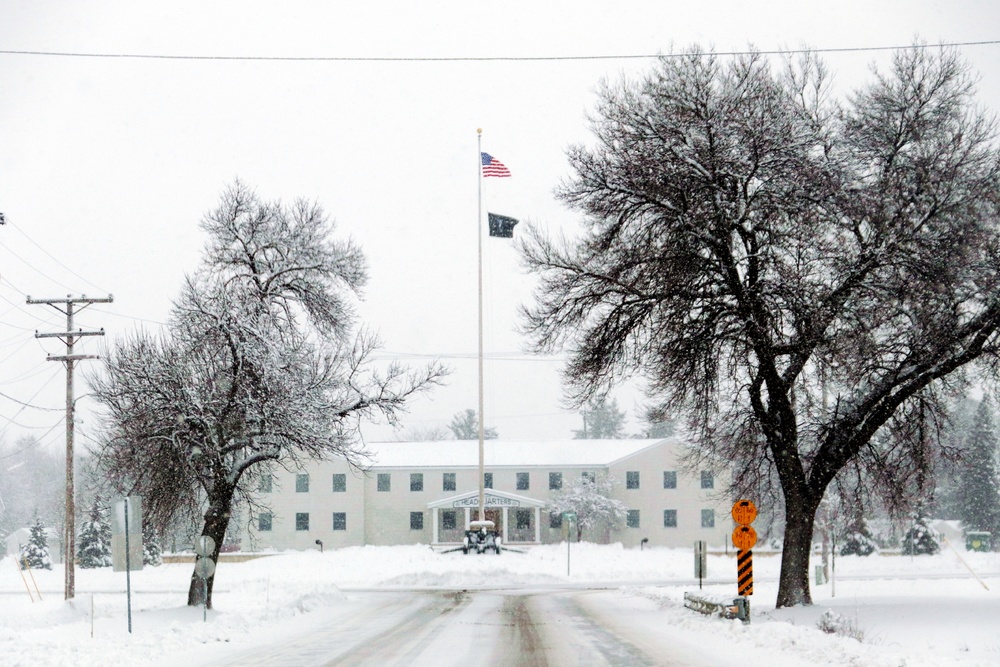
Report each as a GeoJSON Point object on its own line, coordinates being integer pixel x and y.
{"type": "Point", "coordinates": [93, 547]}
{"type": "Point", "coordinates": [833, 623]}
{"type": "Point", "coordinates": [35, 553]}
{"type": "Point", "coordinates": [859, 540]}
{"type": "Point", "coordinates": [151, 552]}
{"type": "Point", "coordinates": [921, 538]}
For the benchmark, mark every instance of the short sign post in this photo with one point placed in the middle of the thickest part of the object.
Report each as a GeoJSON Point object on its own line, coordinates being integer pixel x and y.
{"type": "Point", "coordinates": [126, 543]}
{"type": "Point", "coordinates": [744, 539]}
{"type": "Point", "coordinates": [568, 526]}
{"type": "Point", "coordinates": [700, 561]}
{"type": "Point", "coordinates": [204, 567]}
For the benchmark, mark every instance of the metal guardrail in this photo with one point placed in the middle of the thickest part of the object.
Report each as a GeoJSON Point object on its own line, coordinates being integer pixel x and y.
{"type": "Point", "coordinates": [719, 606]}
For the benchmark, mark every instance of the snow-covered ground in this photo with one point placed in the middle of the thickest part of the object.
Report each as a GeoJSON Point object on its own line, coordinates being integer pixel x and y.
{"type": "Point", "coordinates": [913, 611]}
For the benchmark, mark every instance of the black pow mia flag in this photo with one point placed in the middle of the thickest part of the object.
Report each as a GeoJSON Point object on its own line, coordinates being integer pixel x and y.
{"type": "Point", "coordinates": [501, 226]}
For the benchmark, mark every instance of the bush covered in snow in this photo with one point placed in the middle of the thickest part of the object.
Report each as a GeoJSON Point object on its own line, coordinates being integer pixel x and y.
{"type": "Point", "coordinates": [94, 544]}
{"type": "Point", "coordinates": [151, 551]}
{"type": "Point", "coordinates": [35, 553]}
{"type": "Point", "coordinates": [833, 623]}
{"type": "Point", "coordinates": [858, 540]}
{"type": "Point", "coordinates": [921, 538]}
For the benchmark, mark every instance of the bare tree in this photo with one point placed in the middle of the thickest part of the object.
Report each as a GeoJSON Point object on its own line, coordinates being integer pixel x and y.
{"type": "Point", "coordinates": [798, 277]}
{"type": "Point", "coordinates": [258, 367]}
{"type": "Point", "coordinates": [424, 434]}
{"type": "Point", "coordinates": [589, 497]}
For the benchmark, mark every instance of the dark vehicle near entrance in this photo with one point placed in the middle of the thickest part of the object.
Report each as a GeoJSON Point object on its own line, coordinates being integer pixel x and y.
{"type": "Point", "coordinates": [481, 537]}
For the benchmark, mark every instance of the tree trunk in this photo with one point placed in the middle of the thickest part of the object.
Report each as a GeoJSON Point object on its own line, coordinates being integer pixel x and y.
{"type": "Point", "coordinates": [216, 523]}
{"type": "Point", "coordinates": [793, 584]}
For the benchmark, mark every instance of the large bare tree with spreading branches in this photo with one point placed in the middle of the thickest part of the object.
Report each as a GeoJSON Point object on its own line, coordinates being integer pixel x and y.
{"type": "Point", "coordinates": [258, 366]}
{"type": "Point", "coordinates": [802, 278]}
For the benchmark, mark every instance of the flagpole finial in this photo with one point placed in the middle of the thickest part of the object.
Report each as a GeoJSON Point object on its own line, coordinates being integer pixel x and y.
{"type": "Point", "coordinates": [479, 130]}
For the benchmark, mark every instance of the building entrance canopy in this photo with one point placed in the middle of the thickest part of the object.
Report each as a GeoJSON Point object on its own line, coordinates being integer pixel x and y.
{"type": "Point", "coordinates": [497, 500]}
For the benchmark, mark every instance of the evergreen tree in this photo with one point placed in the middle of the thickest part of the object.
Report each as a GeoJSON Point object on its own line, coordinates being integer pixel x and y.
{"type": "Point", "coordinates": [465, 426]}
{"type": "Point", "coordinates": [921, 538]}
{"type": "Point", "coordinates": [151, 552]}
{"type": "Point", "coordinates": [601, 419]}
{"type": "Point", "coordinates": [858, 539]}
{"type": "Point", "coordinates": [94, 543]}
{"type": "Point", "coordinates": [978, 499]}
{"type": "Point", "coordinates": [655, 424]}
{"type": "Point", "coordinates": [35, 553]}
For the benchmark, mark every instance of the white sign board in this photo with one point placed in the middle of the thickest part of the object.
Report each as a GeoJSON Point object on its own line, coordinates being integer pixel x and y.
{"type": "Point", "coordinates": [490, 500]}
{"type": "Point", "coordinates": [118, 530]}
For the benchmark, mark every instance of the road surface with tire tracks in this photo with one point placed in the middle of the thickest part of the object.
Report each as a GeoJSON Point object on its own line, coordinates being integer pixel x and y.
{"type": "Point", "coordinates": [525, 627]}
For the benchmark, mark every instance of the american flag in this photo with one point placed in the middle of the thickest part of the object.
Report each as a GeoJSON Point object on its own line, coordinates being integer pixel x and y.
{"type": "Point", "coordinates": [494, 167]}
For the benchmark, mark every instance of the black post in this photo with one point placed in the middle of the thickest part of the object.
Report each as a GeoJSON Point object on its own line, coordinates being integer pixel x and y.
{"type": "Point", "coordinates": [128, 571]}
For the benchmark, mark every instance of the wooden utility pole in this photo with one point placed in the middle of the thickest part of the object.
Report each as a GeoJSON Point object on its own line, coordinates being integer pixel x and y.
{"type": "Point", "coordinates": [66, 306]}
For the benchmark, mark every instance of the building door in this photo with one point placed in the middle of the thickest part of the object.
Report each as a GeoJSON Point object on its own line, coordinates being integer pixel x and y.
{"type": "Point", "coordinates": [495, 515]}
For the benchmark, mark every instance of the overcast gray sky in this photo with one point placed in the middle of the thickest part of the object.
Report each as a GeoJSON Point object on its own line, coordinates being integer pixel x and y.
{"type": "Point", "coordinates": [108, 164]}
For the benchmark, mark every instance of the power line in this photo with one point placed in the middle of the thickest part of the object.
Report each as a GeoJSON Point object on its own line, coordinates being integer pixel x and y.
{"type": "Point", "coordinates": [396, 59]}
{"type": "Point", "coordinates": [52, 257]}
{"type": "Point", "coordinates": [28, 405]}
{"type": "Point", "coordinates": [34, 442]}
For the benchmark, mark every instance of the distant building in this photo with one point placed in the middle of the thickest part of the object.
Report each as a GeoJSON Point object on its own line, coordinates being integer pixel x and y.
{"type": "Point", "coordinates": [427, 492]}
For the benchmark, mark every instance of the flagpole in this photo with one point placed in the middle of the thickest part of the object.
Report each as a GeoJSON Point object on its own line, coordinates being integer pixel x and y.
{"type": "Point", "coordinates": [479, 241]}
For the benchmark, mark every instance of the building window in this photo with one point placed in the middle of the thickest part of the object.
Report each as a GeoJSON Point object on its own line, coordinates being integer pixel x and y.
{"type": "Point", "coordinates": [302, 521]}
{"type": "Point", "coordinates": [488, 480]}
{"type": "Point", "coordinates": [339, 482]}
{"type": "Point", "coordinates": [669, 518]}
{"type": "Point", "coordinates": [449, 519]}
{"type": "Point", "coordinates": [555, 520]}
{"type": "Point", "coordinates": [523, 518]}
{"type": "Point", "coordinates": [448, 481]}
{"type": "Point", "coordinates": [264, 522]}
{"type": "Point", "coordinates": [416, 520]}
{"type": "Point", "coordinates": [708, 518]}
{"type": "Point", "coordinates": [265, 483]}
{"type": "Point", "coordinates": [384, 483]}
{"type": "Point", "coordinates": [416, 481]}
{"type": "Point", "coordinates": [340, 520]}
{"type": "Point", "coordinates": [523, 481]}
{"type": "Point", "coordinates": [632, 479]}
{"type": "Point", "coordinates": [632, 519]}
{"type": "Point", "coordinates": [302, 483]}
{"type": "Point", "coordinates": [669, 479]}
{"type": "Point", "coordinates": [591, 477]}
{"type": "Point", "coordinates": [555, 481]}
{"type": "Point", "coordinates": [707, 480]}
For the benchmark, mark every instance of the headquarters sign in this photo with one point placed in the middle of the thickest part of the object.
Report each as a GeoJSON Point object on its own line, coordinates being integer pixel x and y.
{"type": "Point", "coordinates": [490, 500]}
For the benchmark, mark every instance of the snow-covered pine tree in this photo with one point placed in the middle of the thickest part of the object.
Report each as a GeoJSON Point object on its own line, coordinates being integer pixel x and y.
{"type": "Point", "coordinates": [35, 553]}
{"type": "Point", "coordinates": [921, 538]}
{"type": "Point", "coordinates": [601, 419]}
{"type": "Point", "coordinates": [858, 539]}
{"type": "Point", "coordinates": [978, 499]}
{"type": "Point", "coordinates": [151, 552]}
{"type": "Point", "coordinates": [93, 547]}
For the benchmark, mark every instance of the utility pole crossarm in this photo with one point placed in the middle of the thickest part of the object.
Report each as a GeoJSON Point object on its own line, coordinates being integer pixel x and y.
{"type": "Point", "coordinates": [70, 300]}
{"type": "Point", "coordinates": [71, 357]}
{"type": "Point", "coordinates": [71, 333]}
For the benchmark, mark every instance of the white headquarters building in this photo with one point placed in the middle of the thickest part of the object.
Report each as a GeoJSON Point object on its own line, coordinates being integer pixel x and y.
{"type": "Point", "coordinates": [427, 492]}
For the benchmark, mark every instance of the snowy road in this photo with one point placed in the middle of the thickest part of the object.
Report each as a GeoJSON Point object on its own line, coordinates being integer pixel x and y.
{"type": "Point", "coordinates": [532, 628]}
